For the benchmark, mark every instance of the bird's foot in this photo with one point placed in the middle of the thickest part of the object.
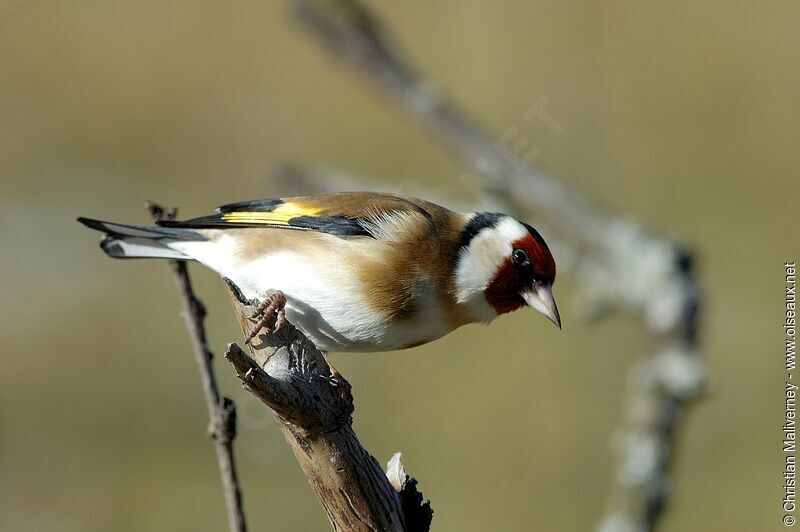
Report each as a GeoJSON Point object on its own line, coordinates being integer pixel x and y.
{"type": "Point", "coordinates": [271, 308]}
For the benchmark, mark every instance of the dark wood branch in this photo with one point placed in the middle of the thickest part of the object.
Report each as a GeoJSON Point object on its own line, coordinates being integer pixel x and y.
{"type": "Point", "coordinates": [418, 514]}
{"type": "Point", "coordinates": [221, 410]}
{"type": "Point", "coordinates": [619, 263]}
{"type": "Point", "coordinates": [313, 405]}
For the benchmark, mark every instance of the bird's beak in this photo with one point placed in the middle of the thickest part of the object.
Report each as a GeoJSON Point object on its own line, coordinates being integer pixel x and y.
{"type": "Point", "coordinates": [541, 298]}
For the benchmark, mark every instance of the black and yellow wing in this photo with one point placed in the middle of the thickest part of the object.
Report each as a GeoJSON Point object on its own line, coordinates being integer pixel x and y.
{"type": "Point", "coordinates": [345, 214]}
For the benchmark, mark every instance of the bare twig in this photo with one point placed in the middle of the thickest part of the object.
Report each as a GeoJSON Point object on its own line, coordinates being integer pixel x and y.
{"type": "Point", "coordinates": [221, 410]}
{"type": "Point", "coordinates": [313, 405]}
{"type": "Point", "coordinates": [619, 263]}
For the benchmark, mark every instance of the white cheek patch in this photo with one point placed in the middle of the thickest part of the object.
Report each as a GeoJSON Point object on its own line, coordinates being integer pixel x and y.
{"type": "Point", "coordinates": [478, 264]}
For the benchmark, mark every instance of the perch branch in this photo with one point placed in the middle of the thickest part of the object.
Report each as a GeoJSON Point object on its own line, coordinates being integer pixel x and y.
{"type": "Point", "coordinates": [619, 263]}
{"type": "Point", "coordinates": [221, 410]}
{"type": "Point", "coordinates": [313, 406]}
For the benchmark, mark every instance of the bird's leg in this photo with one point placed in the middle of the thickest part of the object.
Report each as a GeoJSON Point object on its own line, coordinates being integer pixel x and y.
{"type": "Point", "coordinates": [271, 308]}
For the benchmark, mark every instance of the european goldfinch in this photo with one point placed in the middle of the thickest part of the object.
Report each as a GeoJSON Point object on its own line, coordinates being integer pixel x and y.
{"type": "Point", "coordinates": [361, 271]}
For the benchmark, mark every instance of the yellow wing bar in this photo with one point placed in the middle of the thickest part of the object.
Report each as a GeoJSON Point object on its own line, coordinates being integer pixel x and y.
{"type": "Point", "coordinates": [278, 216]}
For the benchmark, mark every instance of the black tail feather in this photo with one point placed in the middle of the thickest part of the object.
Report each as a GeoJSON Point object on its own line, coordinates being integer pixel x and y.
{"type": "Point", "coordinates": [141, 241]}
{"type": "Point", "coordinates": [140, 231]}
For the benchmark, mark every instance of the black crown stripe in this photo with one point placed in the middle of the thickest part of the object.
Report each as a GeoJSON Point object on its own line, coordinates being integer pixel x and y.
{"type": "Point", "coordinates": [478, 223]}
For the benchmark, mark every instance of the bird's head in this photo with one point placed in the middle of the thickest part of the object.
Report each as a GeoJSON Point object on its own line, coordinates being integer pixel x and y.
{"type": "Point", "coordinates": [502, 265]}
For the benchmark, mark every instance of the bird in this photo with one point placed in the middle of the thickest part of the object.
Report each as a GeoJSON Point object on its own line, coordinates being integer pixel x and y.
{"type": "Point", "coordinates": [359, 271]}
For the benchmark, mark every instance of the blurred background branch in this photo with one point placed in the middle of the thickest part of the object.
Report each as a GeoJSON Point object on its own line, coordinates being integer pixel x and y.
{"type": "Point", "coordinates": [619, 263]}
{"type": "Point", "coordinates": [221, 410]}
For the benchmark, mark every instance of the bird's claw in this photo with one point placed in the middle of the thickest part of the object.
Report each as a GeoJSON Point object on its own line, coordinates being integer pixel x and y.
{"type": "Point", "coordinates": [271, 308]}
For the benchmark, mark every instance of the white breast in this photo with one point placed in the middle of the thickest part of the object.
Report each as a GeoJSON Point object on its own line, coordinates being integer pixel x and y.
{"type": "Point", "coordinates": [325, 298]}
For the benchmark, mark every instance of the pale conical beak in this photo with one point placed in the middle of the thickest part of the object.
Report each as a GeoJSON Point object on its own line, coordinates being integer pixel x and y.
{"type": "Point", "coordinates": [541, 298]}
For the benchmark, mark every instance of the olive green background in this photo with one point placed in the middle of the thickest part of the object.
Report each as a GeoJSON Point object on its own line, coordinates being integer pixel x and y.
{"type": "Point", "coordinates": [682, 114]}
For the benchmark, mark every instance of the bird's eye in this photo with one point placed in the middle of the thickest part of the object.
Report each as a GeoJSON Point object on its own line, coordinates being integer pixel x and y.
{"type": "Point", "coordinates": [520, 257]}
